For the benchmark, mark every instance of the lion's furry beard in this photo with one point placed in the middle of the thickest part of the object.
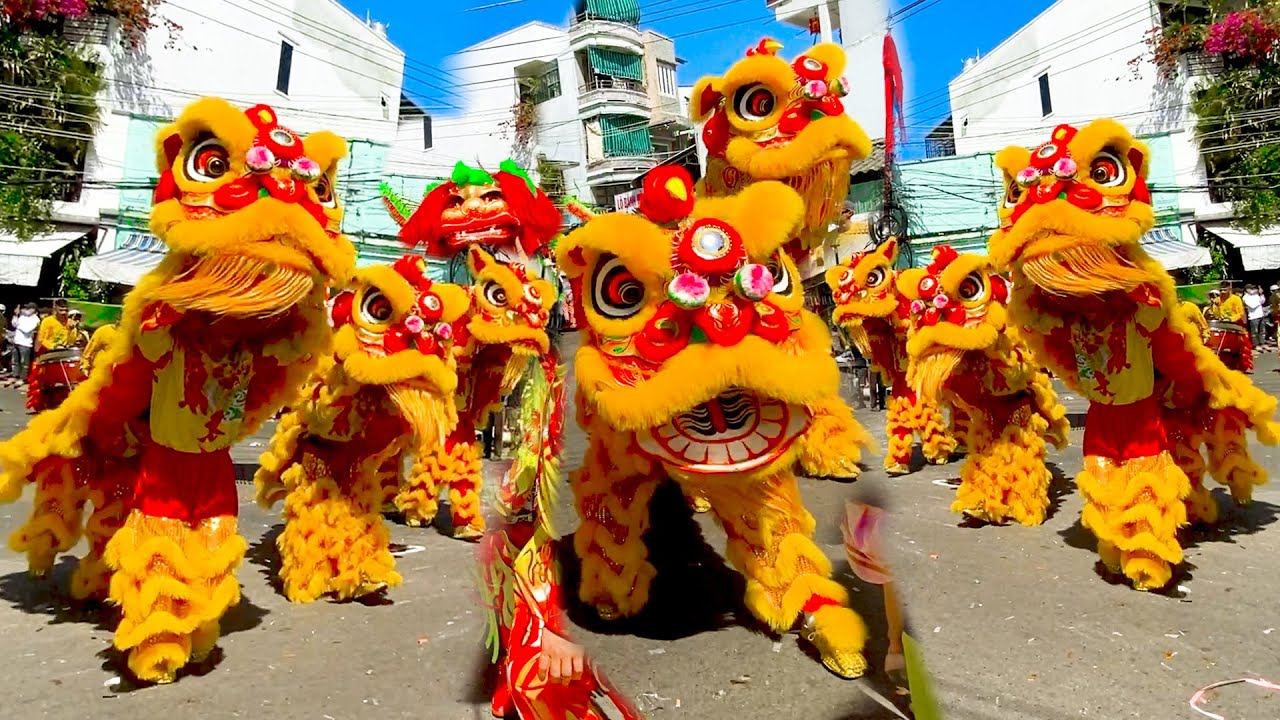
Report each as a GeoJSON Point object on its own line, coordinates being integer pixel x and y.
{"type": "Point", "coordinates": [235, 285]}
{"type": "Point", "coordinates": [429, 416]}
{"type": "Point", "coordinates": [927, 375]}
{"type": "Point", "coordinates": [517, 363]}
{"type": "Point", "coordinates": [1084, 270]}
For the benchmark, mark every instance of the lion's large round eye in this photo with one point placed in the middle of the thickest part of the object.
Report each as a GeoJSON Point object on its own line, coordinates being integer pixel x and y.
{"type": "Point", "coordinates": [616, 292]}
{"type": "Point", "coordinates": [754, 102]}
{"type": "Point", "coordinates": [453, 201]}
{"type": "Point", "coordinates": [375, 308]}
{"type": "Point", "coordinates": [324, 191]}
{"type": "Point", "coordinates": [876, 277]}
{"type": "Point", "coordinates": [495, 294]}
{"type": "Point", "coordinates": [1012, 193]}
{"type": "Point", "coordinates": [782, 283]}
{"type": "Point", "coordinates": [532, 294]}
{"type": "Point", "coordinates": [1107, 170]}
{"type": "Point", "coordinates": [973, 288]}
{"type": "Point", "coordinates": [207, 161]}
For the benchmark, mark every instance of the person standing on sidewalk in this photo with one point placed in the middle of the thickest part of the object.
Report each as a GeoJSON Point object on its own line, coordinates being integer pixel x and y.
{"type": "Point", "coordinates": [1273, 304]}
{"type": "Point", "coordinates": [25, 324]}
{"type": "Point", "coordinates": [1256, 307]}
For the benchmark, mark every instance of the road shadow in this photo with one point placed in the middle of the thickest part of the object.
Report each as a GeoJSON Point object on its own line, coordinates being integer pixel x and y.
{"type": "Point", "coordinates": [694, 591]}
{"type": "Point", "coordinates": [48, 596]}
{"type": "Point", "coordinates": [264, 555]}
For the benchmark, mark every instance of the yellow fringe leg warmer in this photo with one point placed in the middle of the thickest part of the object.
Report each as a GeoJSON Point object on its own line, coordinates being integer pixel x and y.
{"type": "Point", "coordinates": [770, 543]}
{"type": "Point", "coordinates": [456, 467]}
{"type": "Point", "coordinates": [1005, 478]}
{"type": "Point", "coordinates": [1185, 441]}
{"type": "Point", "coordinates": [616, 571]}
{"type": "Point", "coordinates": [1229, 459]}
{"type": "Point", "coordinates": [390, 480]}
{"type": "Point", "coordinates": [418, 496]}
{"type": "Point", "coordinates": [833, 444]}
{"type": "Point", "coordinates": [1135, 508]}
{"type": "Point", "coordinates": [92, 576]}
{"type": "Point", "coordinates": [901, 434]}
{"type": "Point", "coordinates": [335, 540]}
{"type": "Point", "coordinates": [937, 443]}
{"type": "Point", "coordinates": [960, 429]}
{"type": "Point", "coordinates": [464, 482]}
{"type": "Point", "coordinates": [58, 509]}
{"type": "Point", "coordinates": [173, 582]}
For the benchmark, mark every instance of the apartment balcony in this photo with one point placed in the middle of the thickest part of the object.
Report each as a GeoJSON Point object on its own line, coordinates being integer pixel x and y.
{"type": "Point", "coordinates": [617, 170]}
{"type": "Point", "coordinates": [587, 31]}
{"type": "Point", "coordinates": [605, 95]}
{"type": "Point", "coordinates": [798, 13]}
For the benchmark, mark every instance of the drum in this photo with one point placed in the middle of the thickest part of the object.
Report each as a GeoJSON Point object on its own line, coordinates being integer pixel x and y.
{"type": "Point", "coordinates": [55, 373]}
{"type": "Point", "coordinates": [1231, 342]}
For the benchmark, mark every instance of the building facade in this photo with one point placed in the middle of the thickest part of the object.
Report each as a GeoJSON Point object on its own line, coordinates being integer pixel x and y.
{"type": "Point", "coordinates": [590, 107]}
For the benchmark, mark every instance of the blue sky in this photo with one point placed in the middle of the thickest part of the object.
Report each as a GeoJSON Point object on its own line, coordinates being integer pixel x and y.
{"type": "Point", "coordinates": [934, 38]}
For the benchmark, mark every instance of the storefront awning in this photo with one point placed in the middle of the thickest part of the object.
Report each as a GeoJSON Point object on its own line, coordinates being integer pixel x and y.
{"type": "Point", "coordinates": [1166, 246]}
{"type": "Point", "coordinates": [1258, 251]}
{"type": "Point", "coordinates": [623, 11]}
{"type": "Point", "coordinates": [136, 254]}
{"type": "Point", "coordinates": [616, 63]}
{"type": "Point", "coordinates": [21, 260]}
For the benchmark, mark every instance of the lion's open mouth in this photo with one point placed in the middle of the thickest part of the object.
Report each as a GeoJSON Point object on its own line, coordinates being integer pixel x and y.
{"type": "Point", "coordinates": [736, 431]}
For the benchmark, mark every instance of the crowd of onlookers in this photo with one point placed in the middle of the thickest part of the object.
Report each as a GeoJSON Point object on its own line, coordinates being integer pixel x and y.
{"type": "Point", "coordinates": [17, 345]}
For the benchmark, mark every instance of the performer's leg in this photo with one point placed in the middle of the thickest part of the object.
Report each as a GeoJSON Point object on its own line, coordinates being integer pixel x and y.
{"type": "Point", "coordinates": [832, 446]}
{"type": "Point", "coordinates": [770, 542]}
{"type": "Point", "coordinates": [465, 482]}
{"type": "Point", "coordinates": [1229, 459]}
{"type": "Point", "coordinates": [173, 581]}
{"type": "Point", "coordinates": [615, 515]}
{"type": "Point", "coordinates": [55, 523]}
{"type": "Point", "coordinates": [1005, 477]}
{"type": "Point", "coordinates": [417, 497]}
{"type": "Point", "coordinates": [335, 539]}
{"type": "Point", "coordinates": [937, 442]}
{"type": "Point", "coordinates": [1135, 508]}
{"type": "Point", "coordinates": [109, 495]}
{"type": "Point", "coordinates": [901, 435]}
{"type": "Point", "coordinates": [960, 429]}
{"type": "Point", "coordinates": [1186, 436]}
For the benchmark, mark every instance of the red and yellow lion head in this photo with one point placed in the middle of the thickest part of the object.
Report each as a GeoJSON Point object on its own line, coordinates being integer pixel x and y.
{"type": "Point", "coordinates": [1075, 210]}
{"type": "Point", "coordinates": [769, 119]}
{"type": "Point", "coordinates": [698, 348]}
{"type": "Point", "coordinates": [864, 286]}
{"type": "Point", "coordinates": [248, 209]}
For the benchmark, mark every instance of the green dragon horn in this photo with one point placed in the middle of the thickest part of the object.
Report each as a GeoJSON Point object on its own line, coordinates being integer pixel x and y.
{"type": "Point", "coordinates": [399, 208]}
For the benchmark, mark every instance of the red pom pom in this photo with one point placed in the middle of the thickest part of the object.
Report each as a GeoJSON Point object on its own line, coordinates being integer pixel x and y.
{"type": "Point", "coordinates": [931, 316]}
{"type": "Point", "coordinates": [943, 255]}
{"type": "Point", "coordinates": [396, 339]}
{"type": "Point", "coordinates": [166, 188]}
{"type": "Point", "coordinates": [957, 315]}
{"type": "Point", "coordinates": [341, 313]}
{"type": "Point", "coordinates": [237, 194]}
{"type": "Point", "coordinates": [809, 68]}
{"type": "Point", "coordinates": [928, 286]}
{"type": "Point", "coordinates": [666, 195]}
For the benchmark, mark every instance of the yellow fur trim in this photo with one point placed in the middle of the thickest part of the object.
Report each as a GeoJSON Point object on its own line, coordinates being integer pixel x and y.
{"type": "Point", "coordinates": [1229, 460]}
{"type": "Point", "coordinates": [766, 214]}
{"type": "Point", "coordinates": [214, 116]}
{"type": "Point", "coordinates": [1004, 477]}
{"type": "Point", "coordinates": [832, 445]}
{"type": "Point", "coordinates": [170, 580]}
{"type": "Point", "coordinates": [335, 540]}
{"type": "Point", "coordinates": [839, 634]}
{"type": "Point", "coordinates": [416, 498]}
{"type": "Point", "coordinates": [404, 366]}
{"type": "Point", "coordinates": [1135, 509]}
{"type": "Point", "coordinates": [279, 456]}
{"type": "Point", "coordinates": [828, 138]}
{"type": "Point", "coordinates": [54, 525]}
{"type": "Point", "coordinates": [905, 418]}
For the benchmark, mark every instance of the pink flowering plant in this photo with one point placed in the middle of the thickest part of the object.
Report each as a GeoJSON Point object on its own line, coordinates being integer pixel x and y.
{"type": "Point", "coordinates": [1252, 35]}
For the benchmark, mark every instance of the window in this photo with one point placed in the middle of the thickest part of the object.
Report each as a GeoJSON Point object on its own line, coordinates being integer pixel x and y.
{"type": "Point", "coordinates": [541, 88]}
{"type": "Point", "coordinates": [1046, 103]}
{"type": "Point", "coordinates": [286, 66]}
{"type": "Point", "coordinates": [667, 79]}
{"type": "Point", "coordinates": [426, 132]}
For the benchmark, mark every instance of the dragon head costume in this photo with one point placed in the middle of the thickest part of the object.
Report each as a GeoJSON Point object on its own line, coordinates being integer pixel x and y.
{"type": "Point", "coordinates": [700, 363]}
{"type": "Point", "coordinates": [210, 344]}
{"type": "Point", "coordinates": [388, 388]}
{"type": "Point", "coordinates": [873, 313]}
{"type": "Point", "coordinates": [769, 119]}
{"type": "Point", "coordinates": [481, 215]}
{"type": "Point", "coordinates": [1101, 313]}
{"type": "Point", "coordinates": [962, 349]}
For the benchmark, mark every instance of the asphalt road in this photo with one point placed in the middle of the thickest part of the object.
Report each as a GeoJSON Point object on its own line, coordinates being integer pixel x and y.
{"type": "Point", "coordinates": [1015, 622]}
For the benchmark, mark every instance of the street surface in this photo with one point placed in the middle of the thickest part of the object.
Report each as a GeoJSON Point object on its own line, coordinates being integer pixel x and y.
{"type": "Point", "coordinates": [1015, 623]}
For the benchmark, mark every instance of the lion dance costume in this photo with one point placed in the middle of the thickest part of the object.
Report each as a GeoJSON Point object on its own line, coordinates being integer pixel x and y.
{"type": "Point", "coordinates": [962, 347]}
{"type": "Point", "coordinates": [875, 315]}
{"type": "Point", "coordinates": [504, 331]}
{"type": "Point", "coordinates": [389, 383]}
{"type": "Point", "coordinates": [699, 363]}
{"type": "Point", "coordinates": [521, 580]}
{"type": "Point", "coordinates": [769, 119]}
{"type": "Point", "coordinates": [210, 344]}
{"type": "Point", "coordinates": [1102, 315]}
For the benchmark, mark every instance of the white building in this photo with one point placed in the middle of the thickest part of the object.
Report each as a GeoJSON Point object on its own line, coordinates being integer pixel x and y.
{"type": "Point", "coordinates": [317, 64]}
{"type": "Point", "coordinates": [859, 26]}
{"type": "Point", "coordinates": [605, 105]}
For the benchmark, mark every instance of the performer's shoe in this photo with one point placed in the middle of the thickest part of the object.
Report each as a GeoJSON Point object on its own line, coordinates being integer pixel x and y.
{"type": "Point", "coordinates": [700, 504]}
{"type": "Point", "coordinates": [501, 705]}
{"type": "Point", "coordinates": [839, 635]}
{"type": "Point", "coordinates": [897, 469]}
{"type": "Point", "coordinates": [468, 533]}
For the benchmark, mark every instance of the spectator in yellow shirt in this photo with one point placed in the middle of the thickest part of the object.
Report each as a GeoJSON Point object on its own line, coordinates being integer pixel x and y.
{"type": "Point", "coordinates": [1228, 307]}
{"type": "Point", "coordinates": [1191, 313]}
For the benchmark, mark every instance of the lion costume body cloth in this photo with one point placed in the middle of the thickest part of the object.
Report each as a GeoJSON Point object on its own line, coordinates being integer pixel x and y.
{"type": "Point", "coordinates": [700, 364]}
{"type": "Point", "coordinates": [962, 349]}
{"type": "Point", "coordinates": [770, 119]}
{"type": "Point", "coordinates": [386, 390]}
{"type": "Point", "coordinates": [874, 314]}
{"type": "Point", "coordinates": [210, 344]}
{"type": "Point", "coordinates": [478, 215]}
{"type": "Point", "coordinates": [1102, 314]}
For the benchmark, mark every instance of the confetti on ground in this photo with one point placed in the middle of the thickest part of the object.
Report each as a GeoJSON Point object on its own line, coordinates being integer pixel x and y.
{"type": "Point", "coordinates": [1198, 697]}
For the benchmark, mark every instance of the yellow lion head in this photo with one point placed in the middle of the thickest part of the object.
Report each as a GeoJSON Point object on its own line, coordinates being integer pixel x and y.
{"type": "Point", "coordinates": [769, 119]}
{"type": "Point", "coordinates": [1075, 210]}
{"type": "Point", "coordinates": [248, 209]}
{"type": "Point", "coordinates": [697, 347]}
{"type": "Point", "coordinates": [510, 307]}
{"type": "Point", "coordinates": [956, 306]}
{"type": "Point", "coordinates": [864, 286]}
